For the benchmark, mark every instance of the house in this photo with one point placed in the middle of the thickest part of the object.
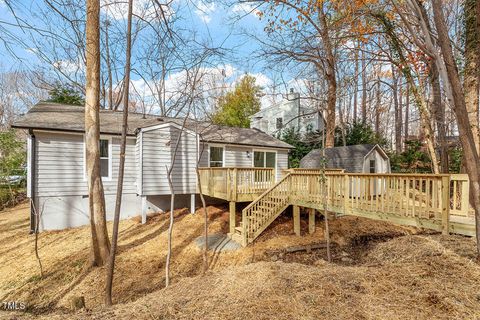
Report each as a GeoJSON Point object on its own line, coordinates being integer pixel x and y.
{"type": "Point", "coordinates": [56, 179]}
{"type": "Point", "coordinates": [360, 158]}
{"type": "Point", "coordinates": [291, 113]}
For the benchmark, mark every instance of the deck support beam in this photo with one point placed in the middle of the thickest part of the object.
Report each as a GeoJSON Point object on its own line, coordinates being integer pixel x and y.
{"type": "Point", "coordinates": [311, 220]}
{"type": "Point", "coordinates": [192, 203]}
{"type": "Point", "coordinates": [233, 212]}
{"type": "Point", "coordinates": [296, 220]}
{"type": "Point", "coordinates": [144, 209]}
{"type": "Point", "coordinates": [445, 205]}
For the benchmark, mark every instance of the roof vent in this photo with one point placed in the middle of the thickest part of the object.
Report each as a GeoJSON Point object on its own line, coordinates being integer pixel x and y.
{"type": "Point", "coordinates": [160, 119]}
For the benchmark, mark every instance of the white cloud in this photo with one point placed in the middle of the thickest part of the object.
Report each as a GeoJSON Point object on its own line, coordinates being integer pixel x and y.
{"type": "Point", "coordinates": [262, 80]}
{"type": "Point", "coordinates": [69, 66]}
{"type": "Point", "coordinates": [204, 10]}
{"type": "Point", "coordinates": [244, 8]}
{"type": "Point", "coordinates": [213, 82]}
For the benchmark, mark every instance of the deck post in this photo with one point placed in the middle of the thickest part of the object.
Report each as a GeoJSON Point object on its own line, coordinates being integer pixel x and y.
{"type": "Point", "coordinates": [234, 187]}
{"type": "Point", "coordinates": [192, 203]}
{"type": "Point", "coordinates": [144, 209]}
{"type": "Point", "coordinates": [233, 212]}
{"type": "Point", "coordinates": [311, 220]}
{"type": "Point", "coordinates": [445, 204]}
{"type": "Point", "coordinates": [296, 220]}
{"type": "Point", "coordinates": [346, 193]}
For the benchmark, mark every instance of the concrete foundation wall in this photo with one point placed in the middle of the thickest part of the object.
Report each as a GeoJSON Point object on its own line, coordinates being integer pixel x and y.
{"type": "Point", "coordinates": [72, 211]}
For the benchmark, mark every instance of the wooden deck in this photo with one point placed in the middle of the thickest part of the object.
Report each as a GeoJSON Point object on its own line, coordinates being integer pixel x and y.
{"type": "Point", "coordinates": [236, 184]}
{"type": "Point", "coordinates": [438, 202]}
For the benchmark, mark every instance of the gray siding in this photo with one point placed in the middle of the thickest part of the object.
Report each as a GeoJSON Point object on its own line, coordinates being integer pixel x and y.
{"type": "Point", "coordinates": [203, 155]}
{"type": "Point", "coordinates": [156, 155]}
{"type": "Point", "coordinates": [158, 150]}
{"type": "Point", "coordinates": [282, 162]}
{"type": "Point", "coordinates": [236, 156]}
{"type": "Point", "coordinates": [184, 175]}
{"type": "Point", "coordinates": [60, 167]}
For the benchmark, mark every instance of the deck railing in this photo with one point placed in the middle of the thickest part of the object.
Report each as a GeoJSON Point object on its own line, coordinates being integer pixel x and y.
{"type": "Point", "coordinates": [236, 184]}
{"type": "Point", "coordinates": [438, 202]}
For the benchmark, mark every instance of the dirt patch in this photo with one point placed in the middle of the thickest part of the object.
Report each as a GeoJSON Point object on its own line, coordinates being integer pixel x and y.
{"type": "Point", "coordinates": [368, 256]}
{"type": "Point", "coordinates": [409, 277]}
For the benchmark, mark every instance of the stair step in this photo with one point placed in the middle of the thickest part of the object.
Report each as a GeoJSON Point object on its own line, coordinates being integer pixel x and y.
{"type": "Point", "coordinates": [238, 230]}
{"type": "Point", "coordinates": [237, 238]}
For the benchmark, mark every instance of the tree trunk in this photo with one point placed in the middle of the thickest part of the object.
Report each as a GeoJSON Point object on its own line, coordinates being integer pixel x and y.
{"type": "Point", "coordinates": [439, 116]}
{"type": "Point", "coordinates": [100, 243]}
{"type": "Point", "coordinates": [397, 111]}
{"type": "Point", "coordinates": [472, 65]}
{"type": "Point", "coordinates": [407, 114]}
{"type": "Point", "coordinates": [355, 88]}
{"type": "Point", "coordinates": [377, 108]}
{"type": "Point", "coordinates": [364, 89]}
{"type": "Point", "coordinates": [470, 154]}
{"type": "Point", "coordinates": [330, 76]}
{"type": "Point", "coordinates": [425, 116]}
{"type": "Point", "coordinates": [121, 167]}
{"type": "Point", "coordinates": [109, 67]}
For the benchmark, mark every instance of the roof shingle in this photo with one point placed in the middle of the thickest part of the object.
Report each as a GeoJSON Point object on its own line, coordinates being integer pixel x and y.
{"type": "Point", "coordinates": [60, 117]}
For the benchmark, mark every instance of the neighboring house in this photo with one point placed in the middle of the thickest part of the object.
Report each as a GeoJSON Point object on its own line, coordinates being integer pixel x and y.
{"type": "Point", "coordinates": [360, 158]}
{"type": "Point", "coordinates": [56, 180]}
{"type": "Point", "coordinates": [291, 113]}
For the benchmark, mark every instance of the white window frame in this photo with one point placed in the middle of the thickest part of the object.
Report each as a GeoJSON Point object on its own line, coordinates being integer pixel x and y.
{"type": "Point", "coordinates": [265, 158]}
{"type": "Point", "coordinates": [110, 156]}
{"type": "Point", "coordinates": [223, 154]}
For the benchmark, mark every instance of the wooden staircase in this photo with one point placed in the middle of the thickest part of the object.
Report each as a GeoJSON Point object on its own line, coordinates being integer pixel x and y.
{"type": "Point", "coordinates": [437, 202]}
{"type": "Point", "coordinates": [257, 216]}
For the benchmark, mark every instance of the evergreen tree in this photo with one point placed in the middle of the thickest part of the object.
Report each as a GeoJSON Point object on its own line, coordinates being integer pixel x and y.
{"type": "Point", "coordinates": [66, 94]}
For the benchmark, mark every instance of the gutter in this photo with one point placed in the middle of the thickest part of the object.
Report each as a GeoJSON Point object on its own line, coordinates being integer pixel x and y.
{"type": "Point", "coordinates": [33, 144]}
{"type": "Point", "coordinates": [68, 130]}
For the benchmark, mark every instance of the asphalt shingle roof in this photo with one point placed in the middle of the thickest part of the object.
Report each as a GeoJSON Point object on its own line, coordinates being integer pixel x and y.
{"type": "Point", "coordinates": [61, 117]}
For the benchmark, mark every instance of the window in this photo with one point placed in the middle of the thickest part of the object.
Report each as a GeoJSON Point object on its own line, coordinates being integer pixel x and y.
{"type": "Point", "coordinates": [104, 158]}
{"type": "Point", "coordinates": [263, 159]}
{"type": "Point", "coordinates": [372, 166]}
{"type": "Point", "coordinates": [216, 157]}
{"type": "Point", "coordinates": [279, 123]}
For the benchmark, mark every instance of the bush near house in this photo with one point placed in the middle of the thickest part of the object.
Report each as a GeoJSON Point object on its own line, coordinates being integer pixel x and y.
{"type": "Point", "coordinates": [12, 173]}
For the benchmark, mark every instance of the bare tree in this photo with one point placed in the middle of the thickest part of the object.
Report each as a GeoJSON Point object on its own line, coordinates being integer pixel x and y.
{"type": "Point", "coordinates": [452, 79]}
{"type": "Point", "coordinates": [121, 167]}
{"type": "Point", "coordinates": [96, 197]}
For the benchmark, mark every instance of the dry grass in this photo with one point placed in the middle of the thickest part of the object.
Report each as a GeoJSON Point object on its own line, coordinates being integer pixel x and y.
{"type": "Point", "coordinates": [377, 273]}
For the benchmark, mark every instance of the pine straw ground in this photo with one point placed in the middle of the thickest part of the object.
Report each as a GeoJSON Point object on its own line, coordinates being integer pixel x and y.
{"type": "Point", "coordinates": [379, 271]}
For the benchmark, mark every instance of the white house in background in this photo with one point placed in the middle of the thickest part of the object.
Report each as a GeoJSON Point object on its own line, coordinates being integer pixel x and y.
{"type": "Point", "coordinates": [291, 113]}
{"type": "Point", "coordinates": [56, 180]}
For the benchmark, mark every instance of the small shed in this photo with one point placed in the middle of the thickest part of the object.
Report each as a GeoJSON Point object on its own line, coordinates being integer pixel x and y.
{"type": "Point", "coordinates": [360, 158]}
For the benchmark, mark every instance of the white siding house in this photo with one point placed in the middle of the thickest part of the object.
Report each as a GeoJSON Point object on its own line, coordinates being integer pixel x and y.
{"type": "Point", "coordinates": [290, 113]}
{"type": "Point", "coordinates": [56, 160]}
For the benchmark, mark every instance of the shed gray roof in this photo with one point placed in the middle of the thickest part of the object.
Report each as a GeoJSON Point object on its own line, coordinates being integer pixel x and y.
{"type": "Point", "coordinates": [349, 158]}
{"type": "Point", "coordinates": [61, 117]}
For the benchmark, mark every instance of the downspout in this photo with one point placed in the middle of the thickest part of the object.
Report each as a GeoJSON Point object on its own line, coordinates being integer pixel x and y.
{"type": "Point", "coordinates": [32, 180]}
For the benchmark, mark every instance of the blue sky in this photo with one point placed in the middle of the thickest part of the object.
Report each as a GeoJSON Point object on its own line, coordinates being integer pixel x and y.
{"type": "Point", "coordinates": [211, 20]}
{"type": "Point", "coordinates": [214, 22]}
